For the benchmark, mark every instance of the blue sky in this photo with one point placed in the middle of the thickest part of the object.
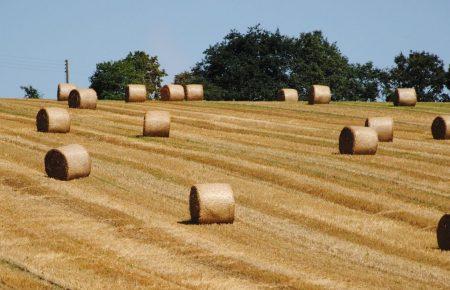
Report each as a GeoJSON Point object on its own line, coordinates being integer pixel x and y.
{"type": "Point", "coordinates": [36, 36]}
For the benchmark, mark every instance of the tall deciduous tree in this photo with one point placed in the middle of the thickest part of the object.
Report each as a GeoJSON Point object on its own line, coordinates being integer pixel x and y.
{"type": "Point", "coordinates": [317, 61]}
{"type": "Point", "coordinates": [250, 66]}
{"type": "Point", "coordinates": [448, 84]}
{"type": "Point", "coordinates": [254, 65]}
{"type": "Point", "coordinates": [423, 71]}
{"type": "Point", "coordinates": [364, 83]}
{"type": "Point", "coordinates": [111, 77]}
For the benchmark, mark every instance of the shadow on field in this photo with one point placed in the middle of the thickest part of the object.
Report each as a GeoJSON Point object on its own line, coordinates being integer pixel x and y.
{"type": "Point", "coordinates": [187, 222]}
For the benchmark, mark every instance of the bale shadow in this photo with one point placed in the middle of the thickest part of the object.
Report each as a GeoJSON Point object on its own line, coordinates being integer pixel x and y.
{"type": "Point", "coordinates": [140, 136]}
{"type": "Point", "coordinates": [187, 222]}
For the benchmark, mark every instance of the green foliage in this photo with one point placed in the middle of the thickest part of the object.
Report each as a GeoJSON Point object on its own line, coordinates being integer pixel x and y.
{"type": "Point", "coordinates": [254, 65]}
{"type": "Point", "coordinates": [423, 71]}
{"type": "Point", "coordinates": [446, 97]}
{"type": "Point", "coordinates": [448, 78]}
{"type": "Point", "coordinates": [249, 66]}
{"type": "Point", "coordinates": [364, 83]}
{"type": "Point", "coordinates": [316, 61]}
{"type": "Point", "coordinates": [211, 90]}
{"type": "Point", "coordinates": [31, 92]}
{"type": "Point", "coordinates": [110, 78]}
{"type": "Point", "coordinates": [185, 78]}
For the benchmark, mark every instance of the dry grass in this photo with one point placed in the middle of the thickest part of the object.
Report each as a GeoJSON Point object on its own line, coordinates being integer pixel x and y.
{"type": "Point", "coordinates": [306, 216]}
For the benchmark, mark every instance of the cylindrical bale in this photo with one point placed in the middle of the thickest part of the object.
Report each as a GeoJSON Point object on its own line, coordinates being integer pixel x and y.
{"type": "Point", "coordinates": [441, 127]}
{"type": "Point", "coordinates": [288, 95]}
{"type": "Point", "coordinates": [172, 93]}
{"type": "Point", "coordinates": [83, 99]}
{"type": "Point", "coordinates": [384, 126]}
{"type": "Point", "coordinates": [319, 94]}
{"type": "Point", "coordinates": [156, 124]}
{"type": "Point", "coordinates": [64, 91]}
{"type": "Point", "coordinates": [405, 97]}
{"type": "Point", "coordinates": [53, 120]}
{"type": "Point", "coordinates": [211, 203]}
{"type": "Point", "coordinates": [193, 92]}
{"type": "Point", "coordinates": [135, 93]}
{"type": "Point", "coordinates": [358, 140]}
{"type": "Point", "coordinates": [443, 233]}
{"type": "Point", "coordinates": [68, 162]}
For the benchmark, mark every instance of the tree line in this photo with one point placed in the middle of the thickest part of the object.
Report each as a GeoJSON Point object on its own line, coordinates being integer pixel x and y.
{"type": "Point", "coordinates": [254, 65]}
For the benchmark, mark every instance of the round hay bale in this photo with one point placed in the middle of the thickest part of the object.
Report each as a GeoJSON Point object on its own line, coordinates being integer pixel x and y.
{"type": "Point", "coordinates": [53, 120]}
{"type": "Point", "coordinates": [135, 93]}
{"type": "Point", "coordinates": [443, 233]}
{"type": "Point", "coordinates": [211, 203]}
{"type": "Point", "coordinates": [288, 95]}
{"type": "Point", "coordinates": [68, 162]}
{"type": "Point", "coordinates": [172, 93]}
{"type": "Point", "coordinates": [193, 92]}
{"type": "Point", "coordinates": [319, 95]}
{"type": "Point", "coordinates": [83, 99]}
{"type": "Point", "coordinates": [441, 127]}
{"type": "Point", "coordinates": [358, 140]}
{"type": "Point", "coordinates": [405, 97]}
{"type": "Point", "coordinates": [384, 126]}
{"type": "Point", "coordinates": [64, 91]}
{"type": "Point", "coordinates": [156, 124]}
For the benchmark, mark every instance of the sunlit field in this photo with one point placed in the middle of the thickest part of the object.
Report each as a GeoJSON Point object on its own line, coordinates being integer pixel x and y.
{"type": "Point", "coordinates": [306, 216]}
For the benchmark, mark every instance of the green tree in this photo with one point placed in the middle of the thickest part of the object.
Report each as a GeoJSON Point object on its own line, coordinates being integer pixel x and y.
{"type": "Point", "coordinates": [31, 92]}
{"type": "Point", "coordinates": [423, 71]}
{"type": "Point", "coordinates": [364, 83]}
{"type": "Point", "coordinates": [447, 79]}
{"type": "Point", "coordinates": [317, 61]}
{"type": "Point", "coordinates": [185, 78]}
{"type": "Point", "coordinates": [251, 66]}
{"type": "Point", "coordinates": [447, 96]}
{"type": "Point", "coordinates": [254, 65]}
{"type": "Point", "coordinates": [111, 77]}
{"type": "Point", "coordinates": [212, 92]}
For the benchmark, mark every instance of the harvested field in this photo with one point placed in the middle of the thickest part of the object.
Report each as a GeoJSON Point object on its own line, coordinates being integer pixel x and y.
{"type": "Point", "coordinates": [306, 216]}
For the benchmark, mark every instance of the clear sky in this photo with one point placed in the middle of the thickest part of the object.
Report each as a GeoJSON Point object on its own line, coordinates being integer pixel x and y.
{"type": "Point", "coordinates": [36, 36]}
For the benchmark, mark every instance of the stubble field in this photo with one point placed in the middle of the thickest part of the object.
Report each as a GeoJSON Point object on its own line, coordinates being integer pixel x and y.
{"type": "Point", "coordinates": [306, 216]}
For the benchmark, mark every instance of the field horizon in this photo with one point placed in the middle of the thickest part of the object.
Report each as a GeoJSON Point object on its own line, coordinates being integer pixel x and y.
{"type": "Point", "coordinates": [306, 216]}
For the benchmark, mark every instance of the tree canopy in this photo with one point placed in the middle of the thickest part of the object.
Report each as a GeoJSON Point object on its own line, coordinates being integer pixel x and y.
{"type": "Point", "coordinates": [247, 66]}
{"type": "Point", "coordinates": [256, 64]}
{"type": "Point", "coordinates": [31, 92]}
{"type": "Point", "coordinates": [423, 71]}
{"type": "Point", "coordinates": [111, 77]}
{"type": "Point", "coordinates": [448, 79]}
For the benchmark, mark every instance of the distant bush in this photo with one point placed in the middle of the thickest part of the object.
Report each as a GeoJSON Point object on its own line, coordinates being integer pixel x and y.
{"type": "Point", "coordinates": [31, 92]}
{"type": "Point", "coordinates": [111, 77]}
